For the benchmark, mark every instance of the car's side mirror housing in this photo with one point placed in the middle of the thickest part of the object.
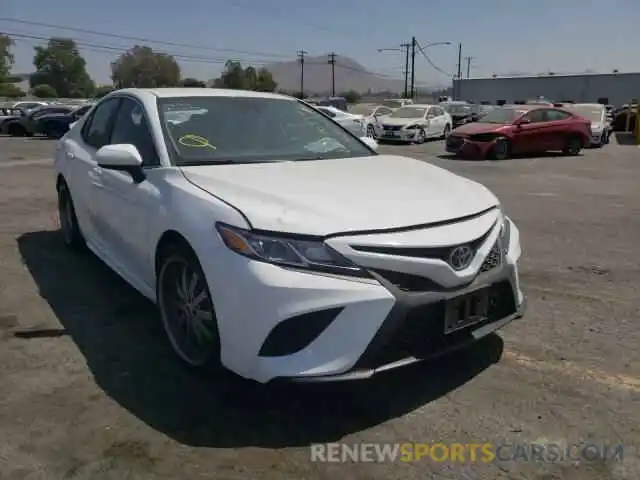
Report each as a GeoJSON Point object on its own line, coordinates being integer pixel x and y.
{"type": "Point", "coordinates": [123, 158]}
{"type": "Point", "coordinates": [522, 121]}
{"type": "Point", "coordinates": [370, 142]}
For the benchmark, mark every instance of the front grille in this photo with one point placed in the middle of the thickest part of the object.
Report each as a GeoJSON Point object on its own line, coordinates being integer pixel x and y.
{"type": "Point", "coordinates": [408, 282]}
{"type": "Point", "coordinates": [422, 333]}
{"type": "Point", "coordinates": [392, 128]}
{"type": "Point", "coordinates": [494, 258]}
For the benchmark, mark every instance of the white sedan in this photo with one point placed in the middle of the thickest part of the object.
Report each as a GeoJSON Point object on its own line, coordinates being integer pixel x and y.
{"type": "Point", "coordinates": [416, 123]}
{"type": "Point", "coordinates": [259, 229]}
{"type": "Point", "coordinates": [354, 123]}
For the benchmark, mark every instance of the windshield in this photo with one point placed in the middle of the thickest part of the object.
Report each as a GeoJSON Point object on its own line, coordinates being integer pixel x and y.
{"type": "Point", "coordinates": [409, 112]}
{"type": "Point", "coordinates": [502, 115]}
{"type": "Point", "coordinates": [218, 129]}
{"type": "Point", "coordinates": [587, 111]}
{"type": "Point", "coordinates": [457, 108]}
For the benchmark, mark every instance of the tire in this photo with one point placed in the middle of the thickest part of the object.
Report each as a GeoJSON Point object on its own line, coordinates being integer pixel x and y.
{"type": "Point", "coordinates": [178, 304]}
{"type": "Point", "coordinates": [501, 149]}
{"type": "Point", "coordinates": [420, 137]}
{"type": "Point", "coordinates": [16, 130]}
{"type": "Point", "coordinates": [371, 132]}
{"type": "Point", "coordinates": [446, 131]}
{"type": "Point", "coordinates": [573, 146]}
{"type": "Point", "coordinates": [69, 226]}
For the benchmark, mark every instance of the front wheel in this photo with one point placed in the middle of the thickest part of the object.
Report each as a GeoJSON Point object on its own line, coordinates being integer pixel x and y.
{"type": "Point", "coordinates": [446, 131]}
{"type": "Point", "coordinates": [16, 130]}
{"type": "Point", "coordinates": [501, 149]}
{"type": "Point", "coordinates": [371, 131]}
{"type": "Point", "coordinates": [420, 137]}
{"type": "Point", "coordinates": [186, 308]}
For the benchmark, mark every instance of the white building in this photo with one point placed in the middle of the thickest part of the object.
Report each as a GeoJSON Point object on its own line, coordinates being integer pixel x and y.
{"type": "Point", "coordinates": [613, 88]}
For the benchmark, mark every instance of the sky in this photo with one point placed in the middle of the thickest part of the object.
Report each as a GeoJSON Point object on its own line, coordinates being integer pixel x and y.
{"type": "Point", "coordinates": [501, 36]}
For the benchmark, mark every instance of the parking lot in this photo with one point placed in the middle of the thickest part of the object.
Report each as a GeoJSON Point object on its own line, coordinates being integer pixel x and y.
{"type": "Point", "coordinates": [91, 390]}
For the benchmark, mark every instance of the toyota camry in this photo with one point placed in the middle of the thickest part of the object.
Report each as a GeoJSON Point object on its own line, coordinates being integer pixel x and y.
{"type": "Point", "coordinates": [278, 244]}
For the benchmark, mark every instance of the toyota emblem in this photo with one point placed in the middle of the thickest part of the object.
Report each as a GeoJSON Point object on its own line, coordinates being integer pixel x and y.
{"type": "Point", "coordinates": [460, 257]}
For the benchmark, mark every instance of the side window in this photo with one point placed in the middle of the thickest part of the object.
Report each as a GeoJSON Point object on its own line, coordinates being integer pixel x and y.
{"type": "Point", "coordinates": [556, 115]}
{"type": "Point", "coordinates": [131, 127]}
{"type": "Point", "coordinates": [536, 116]}
{"type": "Point", "coordinates": [95, 131]}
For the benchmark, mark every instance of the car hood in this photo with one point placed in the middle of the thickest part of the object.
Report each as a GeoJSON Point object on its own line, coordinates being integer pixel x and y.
{"type": "Point", "coordinates": [396, 121]}
{"type": "Point", "coordinates": [479, 127]}
{"type": "Point", "coordinates": [345, 195]}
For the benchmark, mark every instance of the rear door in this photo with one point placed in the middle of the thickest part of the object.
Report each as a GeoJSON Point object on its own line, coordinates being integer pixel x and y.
{"type": "Point", "coordinates": [557, 123]}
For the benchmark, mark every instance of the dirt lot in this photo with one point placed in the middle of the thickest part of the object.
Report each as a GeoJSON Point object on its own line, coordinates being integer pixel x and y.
{"type": "Point", "coordinates": [90, 390]}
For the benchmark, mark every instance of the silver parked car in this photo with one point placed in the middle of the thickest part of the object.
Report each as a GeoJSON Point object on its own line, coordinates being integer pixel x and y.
{"type": "Point", "coordinates": [600, 121]}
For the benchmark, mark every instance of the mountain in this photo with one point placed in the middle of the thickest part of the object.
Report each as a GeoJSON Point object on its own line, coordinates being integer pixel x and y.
{"type": "Point", "coordinates": [349, 75]}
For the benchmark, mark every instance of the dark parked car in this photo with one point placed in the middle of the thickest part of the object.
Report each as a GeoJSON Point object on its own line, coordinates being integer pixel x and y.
{"type": "Point", "coordinates": [619, 118]}
{"type": "Point", "coordinates": [521, 129]}
{"type": "Point", "coordinates": [25, 126]}
{"type": "Point", "coordinates": [9, 113]}
{"type": "Point", "coordinates": [461, 112]}
{"type": "Point", "coordinates": [55, 125]}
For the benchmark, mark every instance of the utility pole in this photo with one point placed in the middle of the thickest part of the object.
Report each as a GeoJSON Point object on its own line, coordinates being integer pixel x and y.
{"type": "Point", "coordinates": [405, 46]}
{"type": "Point", "coordinates": [413, 65]}
{"type": "Point", "coordinates": [301, 54]}
{"type": "Point", "coordinates": [469, 60]}
{"type": "Point", "coordinates": [332, 62]}
{"type": "Point", "coordinates": [456, 85]}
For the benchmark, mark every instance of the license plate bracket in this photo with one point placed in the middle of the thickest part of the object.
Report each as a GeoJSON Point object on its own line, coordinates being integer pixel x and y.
{"type": "Point", "coordinates": [466, 310]}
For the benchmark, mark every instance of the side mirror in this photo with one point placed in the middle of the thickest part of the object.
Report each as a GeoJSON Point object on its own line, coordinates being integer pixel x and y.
{"type": "Point", "coordinates": [523, 121]}
{"type": "Point", "coordinates": [370, 142]}
{"type": "Point", "coordinates": [123, 158]}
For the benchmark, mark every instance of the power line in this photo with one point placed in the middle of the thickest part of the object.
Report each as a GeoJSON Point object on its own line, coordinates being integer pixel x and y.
{"type": "Point", "coordinates": [115, 49]}
{"type": "Point", "coordinates": [332, 62]}
{"type": "Point", "coordinates": [139, 39]}
{"type": "Point", "coordinates": [433, 65]}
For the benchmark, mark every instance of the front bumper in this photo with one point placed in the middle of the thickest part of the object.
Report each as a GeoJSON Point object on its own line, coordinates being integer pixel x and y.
{"type": "Point", "coordinates": [280, 323]}
{"type": "Point", "coordinates": [463, 147]}
{"type": "Point", "coordinates": [402, 135]}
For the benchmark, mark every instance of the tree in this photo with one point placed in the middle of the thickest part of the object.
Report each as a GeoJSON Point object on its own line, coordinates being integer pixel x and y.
{"type": "Point", "coordinates": [9, 90]}
{"type": "Point", "coordinates": [6, 58]}
{"type": "Point", "coordinates": [44, 91]}
{"type": "Point", "coordinates": [61, 66]}
{"type": "Point", "coordinates": [238, 78]}
{"type": "Point", "coordinates": [143, 68]}
{"type": "Point", "coordinates": [351, 96]}
{"type": "Point", "coordinates": [193, 82]}
{"type": "Point", "coordinates": [102, 90]}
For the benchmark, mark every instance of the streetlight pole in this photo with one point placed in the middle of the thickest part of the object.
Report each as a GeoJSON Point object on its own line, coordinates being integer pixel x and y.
{"type": "Point", "coordinates": [404, 48]}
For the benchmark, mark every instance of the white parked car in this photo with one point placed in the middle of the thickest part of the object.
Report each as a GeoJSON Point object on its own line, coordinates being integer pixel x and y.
{"type": "Point", "coordinates": [416, 123]}
{"type": "Point", "coordinates": [600, 120]}
{"type": "Point", "coordinates": [353, 123]}
{"type": "Point", "coordinates": [373, 116]}
{"type": "Point", "coordinates": [29, 105]}
{"type": "Point", "coordinates": [258, 228]}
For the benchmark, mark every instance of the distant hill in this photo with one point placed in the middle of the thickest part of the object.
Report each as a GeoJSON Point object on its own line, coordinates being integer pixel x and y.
{"type": "Point", "coordinates": [349, 75]}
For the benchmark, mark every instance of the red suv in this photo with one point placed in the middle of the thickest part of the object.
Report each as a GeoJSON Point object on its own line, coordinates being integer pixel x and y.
{"type": "Point", "coordinates": [521, 129]}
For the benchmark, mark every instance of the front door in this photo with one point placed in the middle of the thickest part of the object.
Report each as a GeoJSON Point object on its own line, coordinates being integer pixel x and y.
{"type": "Point", "coordinates": [531, 137]}
{"type": "Point", "coordinates": [125, 205]}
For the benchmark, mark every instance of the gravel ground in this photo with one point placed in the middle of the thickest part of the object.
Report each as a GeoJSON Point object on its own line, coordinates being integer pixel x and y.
{"type": "Point", "coordinates": [90, 389]}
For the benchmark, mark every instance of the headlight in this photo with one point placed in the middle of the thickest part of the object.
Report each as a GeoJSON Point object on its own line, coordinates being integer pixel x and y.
{"type": "Point", "coordinates": [306, 254]}
{"type": "Point", "coordinates": [596, 127]}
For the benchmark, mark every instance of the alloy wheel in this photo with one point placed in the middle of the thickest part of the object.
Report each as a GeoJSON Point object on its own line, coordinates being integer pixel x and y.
{"type": "Point", "coordinates": [187, 311]}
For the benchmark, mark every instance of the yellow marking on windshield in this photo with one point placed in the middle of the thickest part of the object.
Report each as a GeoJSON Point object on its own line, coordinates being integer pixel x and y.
{"type": "Point", "coordinates": [195, 141]}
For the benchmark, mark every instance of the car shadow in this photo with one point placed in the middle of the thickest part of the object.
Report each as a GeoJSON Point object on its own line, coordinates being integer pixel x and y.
{"type": "Point", "coordinates": [625, 138]}
{"type": "Point", "coordinates": [124, 345]}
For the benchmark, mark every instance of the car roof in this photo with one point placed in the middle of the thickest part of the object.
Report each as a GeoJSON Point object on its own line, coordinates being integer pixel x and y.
{"type": "Point", "coordinates": [418, 105]}
{"type": "Point", "coordinates": [199, 92]}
